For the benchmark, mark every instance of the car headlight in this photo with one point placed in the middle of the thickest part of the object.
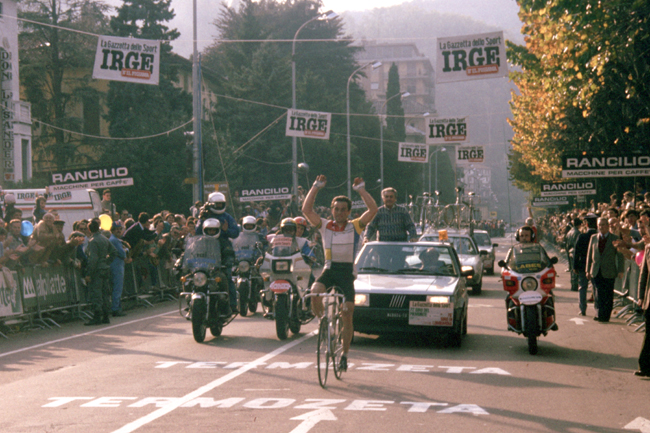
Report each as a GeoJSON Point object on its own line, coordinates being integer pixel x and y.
{"type": "Point", "coordinates": [529, 284]}
{"type": "Point", "coordinates": [361, 300]}
{"type": "Point", "coordinates": [467, 268]}
{"type": "Point", "coordinates": [200, 279]}
{"type": "Point", "coordinates": [244, 266]}
{"type": "Point", "coordinates": [438, 299]}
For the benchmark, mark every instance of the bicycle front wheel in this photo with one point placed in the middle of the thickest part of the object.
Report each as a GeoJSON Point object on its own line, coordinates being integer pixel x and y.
{"type": "Point", "coordinates": [337, 345]}
{"type": "Point", "coordinates": [322, 351]}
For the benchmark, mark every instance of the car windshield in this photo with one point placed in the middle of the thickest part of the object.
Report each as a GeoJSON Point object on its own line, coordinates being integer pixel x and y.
{"type": "Point", "coordinates": [407, 259]}
{"type": "Point", "coordinates": [527, 258]}
{"type": "Point", "coordinates": [482, 240]}
{"type": "Point", "coordinates": [462, 245]}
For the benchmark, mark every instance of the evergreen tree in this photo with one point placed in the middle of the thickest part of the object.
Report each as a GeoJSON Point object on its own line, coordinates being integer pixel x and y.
{"type": "Point", "coordinates": [157, 164]}
{"type": "Point", "coordinates": [394, 109]}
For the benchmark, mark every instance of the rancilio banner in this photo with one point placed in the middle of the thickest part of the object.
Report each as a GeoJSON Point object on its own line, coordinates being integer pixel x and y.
{"type": "Point", "coordinates": [564, 189]}
{"type": "Point", "coordinates": [127, 59]}
{"type": "Point", "coordinates": [447, 130]}
{"type": "Point", "coordinates": [471, 57]}
{"type": "Point", "coordinates": [308, 124]}
{"type": "Point", "coordinates": [599, 165]}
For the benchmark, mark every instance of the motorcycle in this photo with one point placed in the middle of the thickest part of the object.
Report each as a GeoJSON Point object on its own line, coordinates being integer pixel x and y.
{"type": "Point", "coordinates": [286, 281]}
{"type": "Point", "coordinates": [528, 276]}
{"type": "Point", "coordinates": [249, 282]}
{"type": "Point", "coordinates": [204, 299]}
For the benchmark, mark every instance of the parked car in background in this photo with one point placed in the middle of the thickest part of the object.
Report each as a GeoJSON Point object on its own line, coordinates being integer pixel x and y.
{"type": "Point", "coordinates": [406, 287]}
{"type": "Point", "coordinates": [468, 253]}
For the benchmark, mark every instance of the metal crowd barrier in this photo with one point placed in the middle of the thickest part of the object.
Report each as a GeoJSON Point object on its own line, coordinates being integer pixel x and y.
{"type": "Point", "coordinates": [35, 297]}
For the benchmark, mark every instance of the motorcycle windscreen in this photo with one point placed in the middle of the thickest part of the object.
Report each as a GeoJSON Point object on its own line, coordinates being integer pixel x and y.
{"type": "Point", "coordinates": [244, 246]}
{"type": "Point", "coordinates": [202, 252]}
{"type": "Point", "coordinates": [284, 246]}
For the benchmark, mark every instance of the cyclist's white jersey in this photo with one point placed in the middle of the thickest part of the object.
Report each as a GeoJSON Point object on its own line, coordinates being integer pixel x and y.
{"type": "Point", "coordinates": [340, 244]}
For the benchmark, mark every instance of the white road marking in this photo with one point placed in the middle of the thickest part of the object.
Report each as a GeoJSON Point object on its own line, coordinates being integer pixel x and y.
{"type": "Point", "coordinates": [209, 387]}
{"type": "Point", "coordinates": [578, 321]}
{"type": "Point", "coordinates": [310, 419]}
{"type": "Point", "coordinates": [24, 349]}
{"type": "Point", "coordinates": [639, 424]}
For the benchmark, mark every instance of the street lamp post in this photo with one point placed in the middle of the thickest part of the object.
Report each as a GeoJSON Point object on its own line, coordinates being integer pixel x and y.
{"type": "Point", "coordinates": [329, 15]}
{"type": "Point", "coordinates": [375, 65]}
{"type": "Point", "coordinates": [381, 135]}
{"type": "Point", "coordinates": [441, 149]}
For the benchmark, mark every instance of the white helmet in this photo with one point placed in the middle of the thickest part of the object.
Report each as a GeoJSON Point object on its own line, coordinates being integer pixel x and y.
{"type": "Point", "coordinates": [213, 226]}
{"type": "Point", "coordinates": [216, 203]}
{"type": "Point", "coordinates": [10, 198]}
{"type": "Point", "coordinates": [247, 221]}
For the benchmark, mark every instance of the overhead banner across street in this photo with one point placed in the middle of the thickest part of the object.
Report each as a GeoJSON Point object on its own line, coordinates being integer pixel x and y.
{"type": "Point", "coordinates": [127, 59]}
{"type": "Point", "coordinates": [471, 57]}
{"type": "Point", "coordinates": [598, 165]}
{"type": "Point", "coordinates": [308, 124]}
{"type": "Point", "coordinates": [447, 130]}
{"type": "Point", "coordinates": [413, 152]}
{"type": "Point", "coordinates": [566, 189]}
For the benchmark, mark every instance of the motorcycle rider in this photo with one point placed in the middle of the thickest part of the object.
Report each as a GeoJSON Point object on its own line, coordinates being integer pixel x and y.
{"type": "Point", "coordinates": [289, 228]}
{"type": "Point", "coordinates": [526, 235]}
{"type": "Point", "coordinates": [215, 208]}
{"type": "Point", "coordinates": [212, 227]}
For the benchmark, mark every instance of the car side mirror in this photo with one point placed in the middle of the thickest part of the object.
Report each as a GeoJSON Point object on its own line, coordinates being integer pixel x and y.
{"type": "Point", "coordinates": [467, 273]}
{"type": "Point", "coordinates": [495, 245]}
{"type": "Point", "coordinates": [553, 260]}
{"type": "Point", "coordinates": [502, 263]}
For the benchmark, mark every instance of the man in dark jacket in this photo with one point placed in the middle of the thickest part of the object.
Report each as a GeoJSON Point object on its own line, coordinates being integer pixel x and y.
{"type": "Point", "coordinates": [569, 245]}
{"type": "Point", "coordinates": [644, 303]}
{"type": "Point", "coordinates": [100, 253]}
{"type": "Point", "coordinates": [580, 260]}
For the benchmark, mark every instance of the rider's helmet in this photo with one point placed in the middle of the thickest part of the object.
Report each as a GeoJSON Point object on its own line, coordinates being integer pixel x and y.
{"type": "Point", "coordinates": [301, 222]}
{"type": "Point", "coordinates": [288, 227]}
{"type": "Point", "coordinates": [216, 203]}
{"type": "Point", "coordinates": [249, 224]}
{"type": "Point", "coordinates": [212, 227]}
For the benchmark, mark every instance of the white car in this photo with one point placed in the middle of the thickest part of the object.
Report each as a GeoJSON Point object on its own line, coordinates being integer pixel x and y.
{"type": "Point", "coordinates": [468, 253]}
{"type": "Point", "coordinates": [399, 289]}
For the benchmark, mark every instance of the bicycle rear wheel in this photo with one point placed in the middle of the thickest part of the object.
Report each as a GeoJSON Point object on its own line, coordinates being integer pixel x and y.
{"type": "Point", "coordinates": [322, 351]}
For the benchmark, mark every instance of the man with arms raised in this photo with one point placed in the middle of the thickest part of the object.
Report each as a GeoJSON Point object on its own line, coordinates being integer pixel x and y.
{"type": "Point", "coordinates": [340, 241]}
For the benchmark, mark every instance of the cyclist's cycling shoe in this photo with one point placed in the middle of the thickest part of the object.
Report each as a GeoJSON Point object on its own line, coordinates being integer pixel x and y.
{"type": "Point", "coordinates": [343, 364]}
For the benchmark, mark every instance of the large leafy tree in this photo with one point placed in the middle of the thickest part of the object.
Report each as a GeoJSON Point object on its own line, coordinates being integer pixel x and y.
{"type": "Point", "coordinates": [583, 83]}
{"type": "Point", "coordinates": [260, 70]}
{"type": "Point", "coordinates": [158, 164]}
{"type": "Point", "coordinates": [51, 65]}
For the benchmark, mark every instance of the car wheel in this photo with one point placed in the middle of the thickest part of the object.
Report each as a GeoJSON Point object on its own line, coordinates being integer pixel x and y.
{"type": "Point", "coordinates": [465, 323]}
{"type": "Point", "coordinates": [455, 337]}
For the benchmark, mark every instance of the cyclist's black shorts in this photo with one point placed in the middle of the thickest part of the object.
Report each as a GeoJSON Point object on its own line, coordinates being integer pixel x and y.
{"type": "Point", "coordinates": [342, 276]}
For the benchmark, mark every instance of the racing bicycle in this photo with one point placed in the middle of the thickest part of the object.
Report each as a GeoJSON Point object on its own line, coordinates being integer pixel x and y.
{"type": "Point", "coordinates": [330, 337]}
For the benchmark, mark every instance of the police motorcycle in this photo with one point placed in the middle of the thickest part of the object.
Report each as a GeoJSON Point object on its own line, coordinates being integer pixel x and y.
{"type": "Point", "coordinates": [528, 276]}
{"type": "Point", "coordinates": [204, 299]}
{"type": "Point", "coordinates": [248, 249]}
{"type": "Point", "coordinates": [286, 279]}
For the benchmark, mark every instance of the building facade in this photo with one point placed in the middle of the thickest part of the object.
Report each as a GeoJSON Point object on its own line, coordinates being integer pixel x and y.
{"type": "Point", "coordinates": [16, 124]}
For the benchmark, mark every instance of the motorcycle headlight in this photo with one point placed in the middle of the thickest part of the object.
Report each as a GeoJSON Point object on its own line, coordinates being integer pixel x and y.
{"type": "Point", "coordinates": [244, 266]}
{"type": "Point", "coordinates": [200, 279]}
{"type": "Point", "coordinates": [529, 284]}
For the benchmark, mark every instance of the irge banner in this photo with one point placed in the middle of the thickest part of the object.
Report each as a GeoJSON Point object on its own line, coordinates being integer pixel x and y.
{"type": "Point", "coordinates": [445, 131]}
{"type": "Point", "coordinates": [413, 152]}
{"type": "Point", "coordinates": [127, 59]}
{"type": "Point", "coordinates": [471, 57]}
{"type": "Point", "coordinates": [308, 124]}
{"type": "Point", "coordinates": [466, 155]}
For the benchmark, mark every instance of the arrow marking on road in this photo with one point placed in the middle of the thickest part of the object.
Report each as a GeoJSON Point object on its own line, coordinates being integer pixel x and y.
{"type": "Point", "coordinates": [310, 419]}
{"type": "Point", "coordinates": [578, 321]}
{"type": "Point", "coordinates": [639, 424]}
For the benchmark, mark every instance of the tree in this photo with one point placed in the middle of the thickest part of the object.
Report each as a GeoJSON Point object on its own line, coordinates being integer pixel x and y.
{"type": "Point", "coordinates": [584, 83]}
{"type": "Point", "coordinates": [260, 71]}
{"type": "Point", "coordinates": [394, 109]}
{"type": "Point", "coordinates": [136, 110]}
{"type": "Point", "coordinates": [50, 58]}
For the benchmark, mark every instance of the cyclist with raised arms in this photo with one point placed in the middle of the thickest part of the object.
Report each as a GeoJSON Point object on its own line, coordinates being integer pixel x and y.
{"type": "Point", "coordinates": [341, 239]}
